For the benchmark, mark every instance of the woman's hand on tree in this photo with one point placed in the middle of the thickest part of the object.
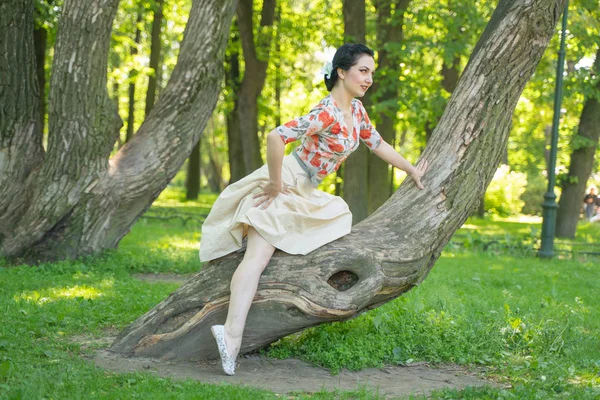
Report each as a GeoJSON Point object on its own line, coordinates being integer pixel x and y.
{"type": "Point", "coordinates": [417, 173]}
{"type": "Point", "coordinates": [269, 192]}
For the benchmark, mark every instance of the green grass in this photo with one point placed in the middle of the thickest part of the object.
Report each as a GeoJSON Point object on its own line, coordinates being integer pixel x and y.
{"type": "Point", "coordinates": [533, 324]}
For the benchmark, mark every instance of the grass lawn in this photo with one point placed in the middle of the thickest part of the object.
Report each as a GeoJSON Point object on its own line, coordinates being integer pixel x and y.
{"type": "Point", "coordinates": [532, 323]}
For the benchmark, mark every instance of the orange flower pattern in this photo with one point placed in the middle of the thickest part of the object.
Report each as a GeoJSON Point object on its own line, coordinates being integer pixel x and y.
{"type": "Point", "coordinates": [325, 139]}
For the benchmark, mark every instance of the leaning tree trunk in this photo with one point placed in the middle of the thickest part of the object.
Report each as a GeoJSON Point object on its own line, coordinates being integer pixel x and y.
{"type": "Point", "coordinates": [395, 248]}
{"type": "Point", "coordinates": [584, 145]}
{"type": "Point", "coordinates": [76, 201]}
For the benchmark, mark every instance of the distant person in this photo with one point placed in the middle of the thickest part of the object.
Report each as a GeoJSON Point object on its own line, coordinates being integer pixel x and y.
{"type": "Point", "coordinates": [596, 217]}
{"type": "Point", "coordinates": [590, 201]}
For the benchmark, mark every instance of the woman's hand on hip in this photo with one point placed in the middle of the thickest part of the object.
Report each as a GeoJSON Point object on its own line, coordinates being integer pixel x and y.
{"type": "Point", "coordinates": [269, 192]}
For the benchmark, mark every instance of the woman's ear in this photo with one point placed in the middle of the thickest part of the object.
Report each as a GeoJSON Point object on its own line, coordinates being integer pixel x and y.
{"type": "Point", "coordinates": [341, 73]}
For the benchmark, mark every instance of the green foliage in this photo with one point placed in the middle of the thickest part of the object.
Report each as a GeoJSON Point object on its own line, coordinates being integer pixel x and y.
{"type": "Point", "coordinates": [533, 196]}
{"type": "Point", "coordinates": [47, 13]}
{"type": "Point", "coordinates": [503, 195]}
{"type": "Point", "coordinates": [581, 142]}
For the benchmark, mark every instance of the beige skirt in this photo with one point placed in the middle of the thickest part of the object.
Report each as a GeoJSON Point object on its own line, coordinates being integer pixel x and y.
{"type": "Point", "coordinates": [297, 223]}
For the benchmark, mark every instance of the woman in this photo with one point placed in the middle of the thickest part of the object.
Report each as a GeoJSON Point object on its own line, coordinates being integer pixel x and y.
{"type": "Point", "coordinates": [278, 205]}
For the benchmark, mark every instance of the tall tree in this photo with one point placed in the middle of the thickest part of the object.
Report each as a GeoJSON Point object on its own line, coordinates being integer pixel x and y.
{"type": "Point", "coordinates": [356, 167]}
{"type": "Point", "coordinates": [395, 248]}
{"type": "Point", "coordinates": [237, 169]}
{"type": "Point", "coordinates": [73, 200]}
{"type": "Point", "coordinates": [155, 48]}
{"type": "Point", "coordinates": [192, 178]}
{"type": "Point", "coordinates": [390, 21]}
{"type": "Point", "coordinates": [256, 60]}
{"type": "Point", "coordinates": [584, 144]}
{"type": "Point", "coordinates": [133, 74]}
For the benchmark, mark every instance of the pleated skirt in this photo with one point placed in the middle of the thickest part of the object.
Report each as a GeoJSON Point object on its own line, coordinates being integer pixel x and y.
{"type": "Point", "coordinates": [297, 223]}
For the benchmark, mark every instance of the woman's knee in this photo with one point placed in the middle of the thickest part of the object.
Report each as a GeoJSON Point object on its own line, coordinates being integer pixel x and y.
{"type": "Point", "coordinates": [258, 251]}
{"type": "Point", "coordinates": [257, 260]}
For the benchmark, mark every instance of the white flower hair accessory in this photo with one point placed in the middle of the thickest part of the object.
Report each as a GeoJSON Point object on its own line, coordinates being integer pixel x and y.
{"type": "Point", "coordinates": [326, 70]}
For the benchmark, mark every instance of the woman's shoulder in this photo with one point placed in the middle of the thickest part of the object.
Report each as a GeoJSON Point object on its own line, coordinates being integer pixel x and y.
{"type": "Point", "coordinates": [326, 104]}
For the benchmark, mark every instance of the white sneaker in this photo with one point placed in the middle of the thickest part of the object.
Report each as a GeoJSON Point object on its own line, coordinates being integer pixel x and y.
{"type": "Point", "coordinates": [227, 362]}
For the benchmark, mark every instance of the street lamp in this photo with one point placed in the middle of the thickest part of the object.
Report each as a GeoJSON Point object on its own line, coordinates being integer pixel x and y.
{"type": "Point", "coordinates": [549, 205]}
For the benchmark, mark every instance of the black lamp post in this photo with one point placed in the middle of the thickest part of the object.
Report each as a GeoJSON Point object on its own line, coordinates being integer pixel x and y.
{"type": "Point", "coordinates": [549, 205]}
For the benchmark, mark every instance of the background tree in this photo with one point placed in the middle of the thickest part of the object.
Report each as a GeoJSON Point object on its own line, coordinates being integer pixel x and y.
{"type": "Point", "coordinates": [584, 144]}
{"type": "Point", "coordinates": [356, 167]}
{"type": "Point", "coordinates": [70, 200]}
{"type": "Point", "coordinates": [133, 74]}
{"type": "Point", "coordinates": [385, 92]}
{"type": "Point", "coordinates": [243, 136]}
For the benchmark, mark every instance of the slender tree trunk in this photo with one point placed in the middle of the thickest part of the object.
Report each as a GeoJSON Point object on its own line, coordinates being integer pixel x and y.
{"type": "Point", "coordinates": [390, 19]}
{"type": "Point", "coordinates": [356, 168]}
{"type": "Point", "coordinates": [237, 168]}
{"type": "Point", "coordinates": [256, 57]}
{"type": "Point", "coordinates": [132, 78]}
{"type": "Point", "coordinates": [584, 145]}
{"type": "Point", "coordinates": [192, 182]}
{"type": "Point", "coordinates": [155, 49]}
{"type": "Point", "coordinates": [278, 67]}
{"type": "Point", "coordinates": [76, 201]}
{"type": "Point", "coordinates": [395, 248]}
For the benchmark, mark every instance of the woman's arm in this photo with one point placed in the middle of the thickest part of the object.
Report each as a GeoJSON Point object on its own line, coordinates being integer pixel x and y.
{"type": "Point", "coordinates": [389, 155]}
{"type": "Point", "coordinates": [275, 153]}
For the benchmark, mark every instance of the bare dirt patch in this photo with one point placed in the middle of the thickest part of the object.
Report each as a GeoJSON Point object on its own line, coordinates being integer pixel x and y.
{"type": "Point", "coordinates": [291, 375]}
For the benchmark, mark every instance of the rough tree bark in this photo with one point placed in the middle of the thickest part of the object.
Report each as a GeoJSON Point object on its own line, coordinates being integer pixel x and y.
{"type": "Point", "coordinates": [582, 162]}
{"type": "Point", "coordinates": [21, 149]}
{"type": "Point", "coordinates": [75, 201]}
{"type": "Point", "coordinates": [356, 167]}
{"type": "Point", "coordinates": [396, 247]}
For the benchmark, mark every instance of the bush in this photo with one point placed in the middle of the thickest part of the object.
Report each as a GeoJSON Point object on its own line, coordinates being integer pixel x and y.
{"type": "Point", "coordinates": [503, 195]}
{"type": "Point", "coordinates": [533, 196]}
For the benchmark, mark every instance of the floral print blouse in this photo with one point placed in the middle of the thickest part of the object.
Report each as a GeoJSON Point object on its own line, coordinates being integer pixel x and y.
{"type": "Point", "coordinates": [326, 142]}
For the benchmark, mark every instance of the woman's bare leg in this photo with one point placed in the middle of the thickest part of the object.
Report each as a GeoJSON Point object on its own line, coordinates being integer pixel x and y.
{"type": "Point", "coordinates": [243, 288]}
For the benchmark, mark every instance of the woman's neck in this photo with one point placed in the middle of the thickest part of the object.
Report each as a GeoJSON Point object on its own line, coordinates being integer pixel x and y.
{"type": "Point", "coordinates": [342, 98]}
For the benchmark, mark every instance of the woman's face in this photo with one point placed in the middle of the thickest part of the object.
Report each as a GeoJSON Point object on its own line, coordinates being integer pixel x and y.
{"type": "Point", "coordinates": [359, 77]}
